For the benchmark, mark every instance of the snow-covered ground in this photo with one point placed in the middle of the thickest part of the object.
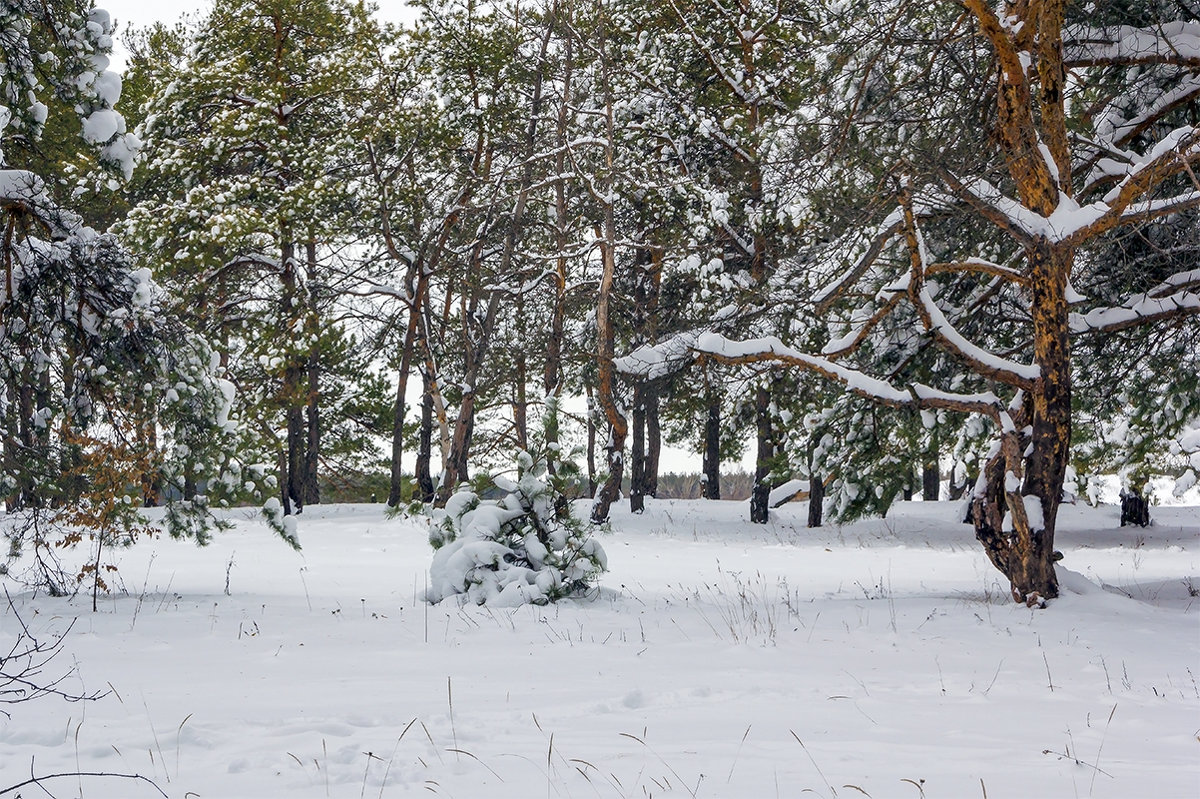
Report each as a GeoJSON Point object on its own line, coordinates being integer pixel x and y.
{"type": "Point", "coordinates": [717, 659]}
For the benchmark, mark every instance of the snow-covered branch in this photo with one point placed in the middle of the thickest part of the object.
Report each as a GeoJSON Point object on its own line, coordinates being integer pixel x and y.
{"type": "Point", "coordinates": [1172, 155]}
{"type": "Point", "coordinates": [652, 361]}
{"type": "Point", "coordinates": [1170, 43]}
{"type": "Point", "coordinates": [770, 350]}
{"type": "Point", "coordinates": [977, 265]}
{"type": "Point", "coordinates": [981, 361]}
{"type": "Point", "coordinates": [1139, 310]}
{"type": "Point", "coordinates": [879, 238]}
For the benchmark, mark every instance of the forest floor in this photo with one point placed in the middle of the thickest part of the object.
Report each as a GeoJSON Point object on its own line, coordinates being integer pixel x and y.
{"type": "Point", "coordinates": [716, 659]}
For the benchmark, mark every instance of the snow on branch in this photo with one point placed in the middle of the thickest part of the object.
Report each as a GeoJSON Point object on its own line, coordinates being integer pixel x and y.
{"type": "Point", "coordinates": [848, 343]}
{"type": "Point", "coordinates": [879, 238]}
{"type": "Point", "coordinates": [1176, 282]}
{"type": "Point", "coordinates": [1022, 223]}
{"type": "Point", "coordinates": [771, 350]}
{"type": "Point", "coordinates": [1173, 154]}
{"type": "Point", "coordinates": [978, 265]}
{"type": "Point", "coordinates": [1162, 206]}
{"type": "Point", "coordinates": [24, 193]}
{"type": "Point", "coordinates": [652, 361]}
{"type": "Point", "coordinates": [1173, 43]}
{"type": "Point", "coordinates": [1139, 310]}
{"type": "Point", "coordinates": [982, 361]}
{"type": "Point", "coordinates": [1185, 92]}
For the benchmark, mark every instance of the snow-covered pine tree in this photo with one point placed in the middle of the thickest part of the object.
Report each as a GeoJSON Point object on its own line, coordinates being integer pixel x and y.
{"type": "Point", "coordinates": [247, 191]}
{"type": "Point", "coordinates": [1007, 166]}
{"type": "Point", "coordinates": [526, 548]}
{"type": "Point", "coordinates": [97, 379]}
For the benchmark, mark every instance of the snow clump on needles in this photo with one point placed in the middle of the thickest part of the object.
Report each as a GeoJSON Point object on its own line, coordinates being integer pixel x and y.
{"type": "Point", "coordinates": [527, 548]}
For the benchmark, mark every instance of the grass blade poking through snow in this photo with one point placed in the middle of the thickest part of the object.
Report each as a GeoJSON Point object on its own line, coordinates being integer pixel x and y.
{"type": "Point", "coordinates": [814, 762]}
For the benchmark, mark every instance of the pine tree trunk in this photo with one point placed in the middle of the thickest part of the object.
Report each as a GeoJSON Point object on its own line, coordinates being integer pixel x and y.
{"type": "Point", "coordinates": [637, 453]}
{"type": "Point", "coordinates": [521, 403]}
{"type": "Point", "coordinates": [422, 472]}
{"type": "Point", "coordinates": [931, 477]}
{"type": "Point", "coordinates": [399, 407]}
{"type": "Point", "coordinates": [816, 501]}
{"type": "Point", "coordinates": [455, 470]}
{"type": "Point", "coordinates": [1046, 470]}
{"type": "Point", "coordinates": [760, 497]}
{"type": "Point", "coordinates": [281, 465]}
{"type": "Point", "coordinates": [552, 373]}
{"type": "Point", "coordinates": [151, 477]}
{"type": "Point", "coordinates": [653, 440]}
{"type": "Point", "coordinates": [606, 390]}
{"type": "Point", "coordinates": [1026, 478]}
{"type": "Point", "coordinates": [931, 481]}
{"type": "Point", "coordinates": [520, 385]}
{"type": "Point", "coordinates": [712, 447]}
{"type": "Point", "coordinates": [396, 478]}
{"type": "Point", "coordinates": [295, 453]}
{"type": "Point", "coordinates": [591, 444]}
{"type": "Point", "coordinates": [291, 393]}
{"type": "Point", "coordinates": [312, 452]}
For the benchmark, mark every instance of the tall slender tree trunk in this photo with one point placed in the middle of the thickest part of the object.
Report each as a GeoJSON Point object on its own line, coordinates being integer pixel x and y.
{"type": "Point", "coordinates": [637, 452]}
{"type": "Point", "coordinates": [618, 427]}
{"type": "Point", "coordinates": [396, 477]}
{"type": "Point", "coordinates": [650, 400]}
{"type": "Point", "coordinates": [312, 453]}
{"type": "Point", "coordinates": [816, 500]}
{"type": "Point", "coordinates": [147, 435]}
{"type": "Point", "coordinates": [521, 401]}
{"type": "Point", "coordinates": [591, 442]}
{"type": "Point", "coordinates": [760, 496]}
{"type": "Point", "coordinates": [552, 369]}
{"type": "Point", "coordinates": [422, 471]}
{"type": "Point", "coordinates": [712, 444]}
{"type": "Point", "coordinates": [399, 407]}
{"type": "Point", "coordinates": [455, 469]}
{"type": "Point", "coordinates": [415, 344]}
{"type": "Point", "coordinates": [292, 394]}
{"type": "Point", "coordinates": [606, 390]}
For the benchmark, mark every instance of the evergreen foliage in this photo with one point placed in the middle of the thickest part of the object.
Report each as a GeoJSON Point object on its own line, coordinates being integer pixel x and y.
{"type": "Point", "coordinates": [525, 548]}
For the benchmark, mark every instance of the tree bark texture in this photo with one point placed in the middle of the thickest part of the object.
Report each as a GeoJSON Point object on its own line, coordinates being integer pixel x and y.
{"type": "Point", "coordinates": [651, 400]}
{"type": "Point", "coordinates": [591, 443]}
{"type": "Point", "coordinates": [816, 501]}
{"type": "Point", "coordinates": [712, 446]}
{"type": "Point", "coordinates": [412, 331]}
{"type": "Point", "coordinates": [760, 497]}
{"type": "Point", "coordinates": [606, 390]}
{"type": "Point", "coordinates": [312, 409]}
{"type": "Point", "coordinates": [637, 452]}
{"type": "Point", "coordinates": [422, 471]}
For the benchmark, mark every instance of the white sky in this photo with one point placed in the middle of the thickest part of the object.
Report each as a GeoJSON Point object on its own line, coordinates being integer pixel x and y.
{"type": "Point", "coordinates": [140, 13]}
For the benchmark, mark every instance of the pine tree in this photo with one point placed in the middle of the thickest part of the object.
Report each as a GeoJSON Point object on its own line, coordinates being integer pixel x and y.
{"type": "Point", "coordinates": [253, 147]}
{"type": "Point", "coordinates": [104, 398]}
{"type": "Point", "coordinates": [975, 262]}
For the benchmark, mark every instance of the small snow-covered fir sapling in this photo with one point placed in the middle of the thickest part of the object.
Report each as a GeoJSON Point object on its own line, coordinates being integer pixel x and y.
{"type": "Point", "coordinates": [525, 548]}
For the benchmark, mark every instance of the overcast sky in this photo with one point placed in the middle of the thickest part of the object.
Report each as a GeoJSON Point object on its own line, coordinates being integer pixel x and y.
{"type": "Point", "coordinates": [139, 13]}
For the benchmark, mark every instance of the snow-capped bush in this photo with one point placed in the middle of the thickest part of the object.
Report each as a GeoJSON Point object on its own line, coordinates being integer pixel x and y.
{"type": "Point", "coordinates": [524, 548]}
